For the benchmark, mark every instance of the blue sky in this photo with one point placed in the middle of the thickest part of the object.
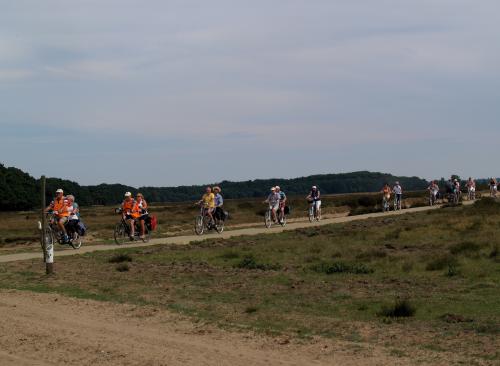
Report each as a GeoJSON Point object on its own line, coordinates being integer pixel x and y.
{"type": "Point", "coordinates": [184, 92]}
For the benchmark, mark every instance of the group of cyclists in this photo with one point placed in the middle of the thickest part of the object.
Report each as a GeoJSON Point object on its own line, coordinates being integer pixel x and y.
{"type": "Point", "coordinates": [65, 214]}
{"type": "Point", "coordinates": [452, 191]}
{"type": "Point", "coordinates": [211, 204]}
{"type": "Point", "coordinates": [135, 210]}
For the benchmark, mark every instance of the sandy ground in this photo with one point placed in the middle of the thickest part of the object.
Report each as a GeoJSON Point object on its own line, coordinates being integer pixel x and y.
{"type": "Point", "coordinates": [50, 329]}
{"type": "Point", "coordinates": [225, 235]}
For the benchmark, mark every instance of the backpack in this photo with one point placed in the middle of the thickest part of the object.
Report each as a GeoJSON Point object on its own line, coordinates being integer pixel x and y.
{"type": "Point", "coordinates": [81, 229]}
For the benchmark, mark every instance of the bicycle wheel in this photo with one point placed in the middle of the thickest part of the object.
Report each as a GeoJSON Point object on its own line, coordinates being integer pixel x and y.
{"type": "Point", "coordinates": [311, 214]}
{"type": "Point", "coordinates": [268, 219]}
{"type": "Point", "coordinates": [283, 221]}
{"type": "Point", "coordinates": [75, 241]}
{"type": "Point", "coordinates": [199, 225]}
{"type": "Point", "coordinates": [219, 225]}
{"type": "Point", "coordinates": [120, 234]}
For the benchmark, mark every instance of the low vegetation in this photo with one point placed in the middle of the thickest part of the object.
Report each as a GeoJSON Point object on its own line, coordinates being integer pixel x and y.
{"type": "Point", "coordinates": [416, 282]}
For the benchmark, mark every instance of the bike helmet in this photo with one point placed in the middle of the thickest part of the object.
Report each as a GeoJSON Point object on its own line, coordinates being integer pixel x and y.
{"type": "Point", "coordinates": [128, 194]}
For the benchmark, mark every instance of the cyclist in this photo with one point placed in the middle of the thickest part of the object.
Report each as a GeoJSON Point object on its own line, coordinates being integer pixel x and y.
{"type": "Point", "coordinates": [128, 212]}
{"type": "Point", "coordinates": [282, 203]}
{"type": "Point", "coordinates": [456, 184]}
{"type": "Point", "coordinates": [74, 212]}
{"type": "Point", "coordinates": [433, 191]}
{"type": "Point", "coordinates": [140, 212]}
{"type": "Point", "coordinates": [274, 202]}
{"type": "Point", "coordinates": [386, 194]}
{"type": "Point", "coordinates": [208, 203]}
{"type": "Point", "coordinates": [59, 207]}
{"type": "Point", "coordinates": [398, 193]}
{"type": "Point", "coordinates": [314, 199]}
{"type": "Point", "coordinates": [493, 187]}
{"type": "Point", "coordinates": [471, 189]}
{"type": "Point", "coordinates": [219, 202]}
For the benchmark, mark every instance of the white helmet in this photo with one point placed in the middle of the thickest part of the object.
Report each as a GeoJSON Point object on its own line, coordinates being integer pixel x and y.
{"type": "Point", "coordinates": [128, 194]}
{"type": "Point", "coordinates": [314, 187]}
{"type": "Point", "coordinates": [59, 191]}
{"type": "Point", "coordinates": [273, 188]}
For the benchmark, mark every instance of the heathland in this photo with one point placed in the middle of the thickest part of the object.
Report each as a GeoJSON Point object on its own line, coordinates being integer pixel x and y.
{"type": "Point", "coordinates": [421, 287]}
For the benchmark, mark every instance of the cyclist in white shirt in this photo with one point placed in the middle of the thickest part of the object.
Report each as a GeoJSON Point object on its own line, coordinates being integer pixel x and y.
{"type": "Point", "coordinates": [398, 194]}
{"type": "Point", "coordinates": [274, 202]}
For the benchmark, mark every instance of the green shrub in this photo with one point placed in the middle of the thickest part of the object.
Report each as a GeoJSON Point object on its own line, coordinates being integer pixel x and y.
{"type": "Point", "coordinates": [340, 267]}
{"type": "Point", "coordinates": [441, 263]}
{"type": "Point", "coordinates": [249, 262]}
{"type": "Point", "coordinates": [466, 247]}
{"type": "Point", "coordinates": [122, 267]}
{"type": "Point", "coordinates": [119, 258]}
{"type": "Point", "coordinates": [400, 309]}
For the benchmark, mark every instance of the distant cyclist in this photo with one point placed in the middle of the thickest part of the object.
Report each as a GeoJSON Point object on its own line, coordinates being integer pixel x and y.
{"type": "Point", "coordinates": [129, 213]}
{"type": "Point", "coordinates": [141, 211]}
{"type": "Point", "coordinates": [398, 194]}
{"type": "Point", "coordinates": [219, 202]}
{"type": "Point", "coordinates": [208, 203]}
{"type": "Point", "coordinates": [471, 189]}
{"type": "Point", "coordinates": [493, 187]}
{"type": "Point", "coordinates": [314, 199]}
{"type": "Point", "coordinates": [59, 207]}
{"type": "Point", "coordinates": [274, 203]}
{"type": "Point", "coordinates": [433, 191]}
{"type": "Point", "coordinates": [282, 203]}
{"type": "Point", "coordinates": [386, 196]}
{"type": "Point", "coordinates": [456, 183]}
{"type": "Point", "coordinates": [74, 212]}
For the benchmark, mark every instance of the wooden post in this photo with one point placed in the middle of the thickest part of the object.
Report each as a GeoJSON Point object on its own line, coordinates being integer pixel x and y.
{"type": "Point", "coordinates": [48, 248]}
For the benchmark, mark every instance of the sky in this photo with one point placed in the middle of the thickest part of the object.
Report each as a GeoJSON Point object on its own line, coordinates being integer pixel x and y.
{"type": "Point", "coordinates": [162, 93]}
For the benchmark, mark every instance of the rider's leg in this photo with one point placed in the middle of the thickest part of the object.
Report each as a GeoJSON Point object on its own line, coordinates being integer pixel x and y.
{"type": "Point", "coordinates": [131, 224]}
{"type": "Point", "coordinates": [60, 224]}
{"type": "Point", "coordinates": [143, 231]}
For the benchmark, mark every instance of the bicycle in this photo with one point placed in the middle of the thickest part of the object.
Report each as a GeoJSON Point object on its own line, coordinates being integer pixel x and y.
{"type": "Point", "coordinates": [203, 223]}
{"type": "Point", "coordinates": [52, 233]}
{"type": "Point", "coordinates": [314, 211]}
{"type": "Point", "coordinates": [433, 197]}
{"type": "Point", "coordinates": [397, 202]}
{"type": "Point", "coordinates": [121, 233]}
{"type": "Point", "coordinates": [471, 194]}
{"type": "Point", "coordinates": [268, 218]}
{"type": "Point", "coordinates": [385, 204]}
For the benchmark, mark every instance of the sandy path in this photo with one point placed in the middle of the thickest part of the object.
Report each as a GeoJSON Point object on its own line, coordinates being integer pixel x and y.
{"type": "Point", "coordinates": [50, 329]}
{"type": "Point", "coordinates": [225, 235]}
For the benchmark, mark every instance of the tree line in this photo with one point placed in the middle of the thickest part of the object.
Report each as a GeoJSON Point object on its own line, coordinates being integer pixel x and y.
{"type": "Point", "coordinates": [20, 191]}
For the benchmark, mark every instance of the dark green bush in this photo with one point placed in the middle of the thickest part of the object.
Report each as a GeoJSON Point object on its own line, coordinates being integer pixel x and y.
{"type": "Point", "coordinates": [119, 258]}
{"type": "Point", "coordinates": [400, 309]}
{"type": "Point", "coordinates": [465, 247]}
{"type": "Point", "coordinates": [249, 262]}
{"type": "Point", "coordinates": [340, 267]}
{"type": "Point", "coordinates": [123, 267]}
{"type": "Point", "coordinates": [441, 263]}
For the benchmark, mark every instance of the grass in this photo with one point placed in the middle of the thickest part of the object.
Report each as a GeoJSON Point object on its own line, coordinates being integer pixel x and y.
{"type": "Point", "coordinates": [20, 228]}
{"type": "Point", "coordinates": [330, 281]}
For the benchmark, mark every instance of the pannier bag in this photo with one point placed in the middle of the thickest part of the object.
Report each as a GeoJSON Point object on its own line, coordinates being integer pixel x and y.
{"type": "Point", "coordinates": [152, 222]}
{"type": "Point", "coordinates": [81, 229]}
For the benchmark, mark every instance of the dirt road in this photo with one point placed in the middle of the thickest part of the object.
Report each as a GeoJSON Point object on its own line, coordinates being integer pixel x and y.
{"type": "Point", "coordinates": [49, 329]}
{"type": "Point", "coordinates": [190, 238]}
